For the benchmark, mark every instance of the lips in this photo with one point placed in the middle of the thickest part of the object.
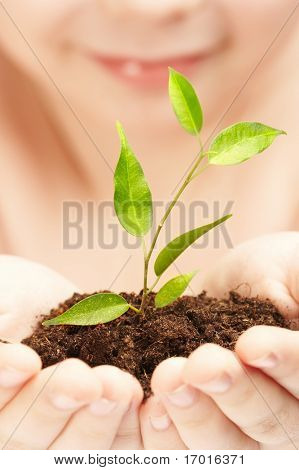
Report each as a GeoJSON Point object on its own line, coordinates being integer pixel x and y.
{"type": "Point", "coordinates": [147, 73]}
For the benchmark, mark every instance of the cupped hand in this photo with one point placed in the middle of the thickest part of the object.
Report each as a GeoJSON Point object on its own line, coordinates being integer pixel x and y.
{"type": "Point", "coordinates": [27, 291]}
{"type": "Point", "coordinates": [65, 406]}
{"type": "Point", "coordinates": [267, 267]}
{"type": "Point", "coordinates": [219, 399]}
{"type": "Point", "coordinates": [246, 399]}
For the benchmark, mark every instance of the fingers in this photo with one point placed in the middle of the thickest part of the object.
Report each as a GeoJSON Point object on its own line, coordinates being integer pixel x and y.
{"type": "Point", "coordinates": [254, 402]}
{"type": "Point", "coordinates": [27, 290]}
{"type": "Point", "coordinates": [96, 426]}
{"type": "Point", "coordinates": [200, 423]}
{"type": "Point", "coordinates": [158, 431]}
{"type": "Point", "coordinates": [39, 412]}
{"type": "Point", "coordinates": [129, 435]}
{"type": "Point", "coordinates": [18, 364]}
{"type": "Point", "coordinates": [273, 350]}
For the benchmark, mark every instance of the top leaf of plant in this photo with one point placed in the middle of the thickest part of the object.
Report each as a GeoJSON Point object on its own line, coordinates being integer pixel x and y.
{"type": "Point", "coordinates": [98, 308]}
{"type": "Point", "coordinates": [185, 102]}
{"type": "Point", "coordinates": [240, 142]}
{"type": "Point", "coordinates": [132, 196]}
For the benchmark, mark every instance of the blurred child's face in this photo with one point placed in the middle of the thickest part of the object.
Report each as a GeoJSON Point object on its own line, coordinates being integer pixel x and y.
{"type": "Point", "coordinates": [105, 55]}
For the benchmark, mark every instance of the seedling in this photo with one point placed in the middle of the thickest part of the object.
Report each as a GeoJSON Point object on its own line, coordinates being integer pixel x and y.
{"type": "Point", "coordinates": [133, 204]}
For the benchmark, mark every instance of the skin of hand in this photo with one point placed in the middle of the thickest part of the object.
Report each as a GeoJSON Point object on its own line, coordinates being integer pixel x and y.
{"type": "Point", "coordinates": [267, 266]}
{"type": "Point", "coordinates": [68, 405]}
{"type": "Point", "coordinates": [246, 399]}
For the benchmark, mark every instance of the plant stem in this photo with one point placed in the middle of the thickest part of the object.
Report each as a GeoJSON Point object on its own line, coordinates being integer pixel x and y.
{"type": "Point", "coordinates": [144, 248]}
{"type": "Point", "coordinates": [134, 308]}
{"type": "Point", "coordinates": [147, 256]}
{"type": "Point", "coordinates": [201, 170]}
{"type": "Point", "coordinates": [146, 262]}
{"type": "Point", "coordinates": [154, 284]}
{"type": "Point", "coordinates": [173, 203]}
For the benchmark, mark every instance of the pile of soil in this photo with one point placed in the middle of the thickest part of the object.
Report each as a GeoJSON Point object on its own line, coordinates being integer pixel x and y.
{"type": "Point", "coordinates": [138, 343]}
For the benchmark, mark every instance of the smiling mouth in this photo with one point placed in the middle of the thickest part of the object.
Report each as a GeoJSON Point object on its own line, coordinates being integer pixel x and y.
{"type": "Point", "coordinates": [148, 73]}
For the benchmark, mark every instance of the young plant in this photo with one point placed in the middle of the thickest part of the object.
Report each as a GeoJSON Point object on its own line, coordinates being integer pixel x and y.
{"type": "Point", "coordinates": [133, 204]}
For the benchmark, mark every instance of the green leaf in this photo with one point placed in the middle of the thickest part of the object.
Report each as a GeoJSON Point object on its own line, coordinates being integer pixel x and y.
{"type": "Point", "coordinates": [132, 196]}
{"type": "Point", "coordinates": [240, 142]}
{"type": "Point", "coordinates": [173, 289]}
{"type": "Point", "coordinates": [185, 102]}
{"type": "Point", "coordinates": [177, 246]}
{"type": "Point", "coordinates": [98, 308]}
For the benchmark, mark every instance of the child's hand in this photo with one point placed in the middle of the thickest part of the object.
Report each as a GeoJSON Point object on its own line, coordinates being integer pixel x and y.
{"type": "Point", "coordinates": [27, 291]}
{"type": "Point", "coordinates": [66, 406]}
{"type": "Point", "coordinates": [69, 406]}
{"type": "Point", "coordinates": [217, 399]}
{"type": "Point", "coordinates": [267, 266]}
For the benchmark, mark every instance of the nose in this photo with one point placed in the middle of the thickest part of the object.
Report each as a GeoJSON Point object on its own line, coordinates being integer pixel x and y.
{"type": "Point", "coordinates": [158, 8]}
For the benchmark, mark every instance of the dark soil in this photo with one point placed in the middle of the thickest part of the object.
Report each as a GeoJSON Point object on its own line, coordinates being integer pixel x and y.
{"type": "Point", "coordinates": [138, 343]}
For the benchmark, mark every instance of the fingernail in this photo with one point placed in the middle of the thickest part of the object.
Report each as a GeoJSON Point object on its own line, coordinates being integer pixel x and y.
{"type": "Point", "coordinates": [63, 402]}
{"type": "Point", "coordinates": [183, 396]}
{"type": "Point", "coordinates": [10, 377]}
{"type": "Point", "coordinates": [218, 385]}
{"type": "Point", "coordinates": [160, 423]}
{"type": "Point", "coordinates": [265, 362]}
{"type": "Point", "coordinates": [102, 407]}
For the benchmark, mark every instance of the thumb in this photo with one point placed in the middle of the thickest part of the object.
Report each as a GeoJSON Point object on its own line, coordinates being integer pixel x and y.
{"type": "Point", "coordinates": [27, 291]}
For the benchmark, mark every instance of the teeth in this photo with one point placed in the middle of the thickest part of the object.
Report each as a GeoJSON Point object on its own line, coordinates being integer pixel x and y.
{"type": "Point", "coordinates": [131, 69]}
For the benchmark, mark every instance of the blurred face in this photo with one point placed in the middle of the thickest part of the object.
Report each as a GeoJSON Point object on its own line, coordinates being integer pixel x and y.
{"type": "Point", "coordinates": [108, 56]}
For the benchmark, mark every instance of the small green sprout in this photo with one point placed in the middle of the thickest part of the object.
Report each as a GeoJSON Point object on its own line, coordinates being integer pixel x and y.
{"type": "Point", "coordinates": [134, 209]}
